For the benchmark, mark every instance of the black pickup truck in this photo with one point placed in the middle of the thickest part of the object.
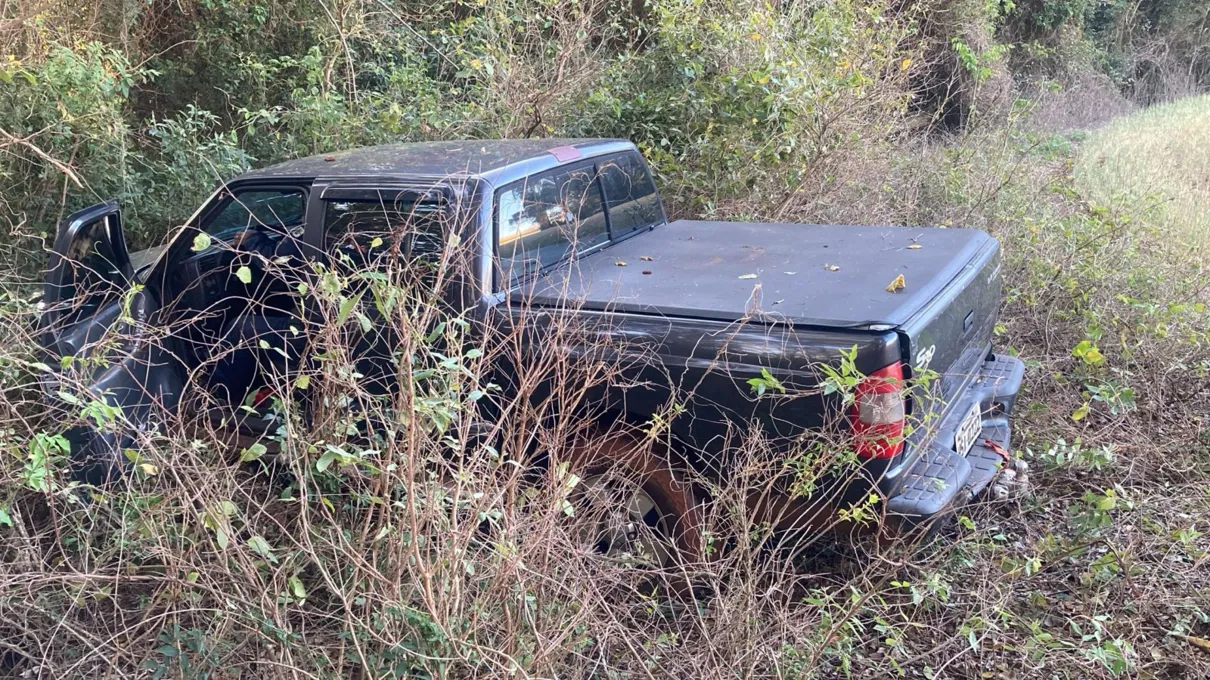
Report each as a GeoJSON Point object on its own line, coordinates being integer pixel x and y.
{"type": "Point", "coordinates": [578, 225]}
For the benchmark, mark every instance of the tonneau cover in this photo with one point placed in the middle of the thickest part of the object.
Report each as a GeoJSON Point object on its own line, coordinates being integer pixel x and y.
{"type": "Point", "coordinates": [705, 270]}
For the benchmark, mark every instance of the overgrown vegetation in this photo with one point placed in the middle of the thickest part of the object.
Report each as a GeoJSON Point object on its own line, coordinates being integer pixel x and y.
{"type": "Point", "coordinates": [367, 553]}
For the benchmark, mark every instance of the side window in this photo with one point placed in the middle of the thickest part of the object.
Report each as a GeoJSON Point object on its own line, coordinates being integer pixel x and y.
{"type": "Point", "coordinates": [362, 227]}
{"type": "Point", "coordinates": [276, 208]}
{"type": "Point", "coordinates": [630, 194]}
{"type": "Point", "coordinates": [544, 218]}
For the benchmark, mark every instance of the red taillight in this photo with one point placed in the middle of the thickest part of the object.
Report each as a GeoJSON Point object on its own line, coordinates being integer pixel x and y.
{"type": "Point", "coordinates": [877, 414]}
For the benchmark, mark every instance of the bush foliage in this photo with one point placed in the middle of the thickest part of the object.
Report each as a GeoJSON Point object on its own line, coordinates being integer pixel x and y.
{"type": "Point", "coordinates": [752, 108]}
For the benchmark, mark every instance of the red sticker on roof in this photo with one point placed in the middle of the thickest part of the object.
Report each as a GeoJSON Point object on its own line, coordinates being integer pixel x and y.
{"type": "Point", "coordinates": [564, 153]}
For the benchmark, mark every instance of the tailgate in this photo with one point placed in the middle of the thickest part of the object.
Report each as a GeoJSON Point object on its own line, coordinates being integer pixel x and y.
{"type": "Point", "coordinates": [952, 334]}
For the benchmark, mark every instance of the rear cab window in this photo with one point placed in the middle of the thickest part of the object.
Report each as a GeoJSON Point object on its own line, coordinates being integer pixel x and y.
{"type": "Point", "coordinates": [544, 218]}
{"type": "Point", "coordinates": [551, 216]}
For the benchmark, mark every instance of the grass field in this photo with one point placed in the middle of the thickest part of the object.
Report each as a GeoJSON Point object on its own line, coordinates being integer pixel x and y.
{"type": "Point", "coordinates": [1158, 157]}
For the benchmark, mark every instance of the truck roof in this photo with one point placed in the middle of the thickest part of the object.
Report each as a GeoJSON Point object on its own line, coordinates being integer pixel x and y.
{"type": "Point", "coordinates": [497, 160]}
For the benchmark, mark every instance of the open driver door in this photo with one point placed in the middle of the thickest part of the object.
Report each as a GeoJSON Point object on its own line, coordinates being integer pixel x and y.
{"type": "Point", "coordinates": [101, 331]}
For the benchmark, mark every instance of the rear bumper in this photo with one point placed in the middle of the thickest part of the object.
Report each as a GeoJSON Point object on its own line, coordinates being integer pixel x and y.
{"type": "Point", "coordinates": [941, 480]}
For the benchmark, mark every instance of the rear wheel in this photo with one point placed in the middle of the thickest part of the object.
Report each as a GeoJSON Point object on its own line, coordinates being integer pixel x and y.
{"type": "Point", "coordinates": [632, 505]}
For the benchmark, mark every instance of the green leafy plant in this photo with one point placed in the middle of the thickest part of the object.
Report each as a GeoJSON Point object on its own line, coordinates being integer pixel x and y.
{"type": "Point", "coordinates": [764, 383]}
{"type": "Point", "coordinates": [1087, 352]}
{"type": "Point", "coordinates": [1096, 511]}
{"type": "Point", "coordinates": [45, 457]}
{"type": "Point", "coordinates": [1116, 398]}
{"type": "Point", "coordinates": [843, 378]}
{"type": "Point", "coordinates": [1062, 455]}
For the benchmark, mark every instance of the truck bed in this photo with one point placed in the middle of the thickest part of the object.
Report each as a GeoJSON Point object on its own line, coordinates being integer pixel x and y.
{"type": "Point", "coordinates": [809, 275]}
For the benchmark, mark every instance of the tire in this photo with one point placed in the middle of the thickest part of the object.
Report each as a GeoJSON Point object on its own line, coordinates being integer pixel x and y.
{"type": "Point", "coordinates": [630, 464]}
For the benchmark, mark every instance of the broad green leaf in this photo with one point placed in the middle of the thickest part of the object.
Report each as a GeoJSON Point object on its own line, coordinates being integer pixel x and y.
{"type": "Point", "coordinates": [346, 307]}
{"type": "Point", "coordinates": [244, 274]}
{"type": "Point", "coordinates": [325, 461]}
{"type": "Point", "coordinates": [296, 588]}
{"type": "Point", "coordinates": [5, 518]}
{"type": "Point", "coordinates": [201, 242]}
{"type": "Point", "coordinates": [437, 332]}
{"type": "Point", "coordinates": [261, 547]}
{"type": "Point", "coordinates": [252, 453]}
{"type": "Point", "coordinates": [1088, 352]}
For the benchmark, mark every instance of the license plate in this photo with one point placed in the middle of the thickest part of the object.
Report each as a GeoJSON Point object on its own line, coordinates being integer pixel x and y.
{"type": "Point", "coordinates": [968, 430]}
